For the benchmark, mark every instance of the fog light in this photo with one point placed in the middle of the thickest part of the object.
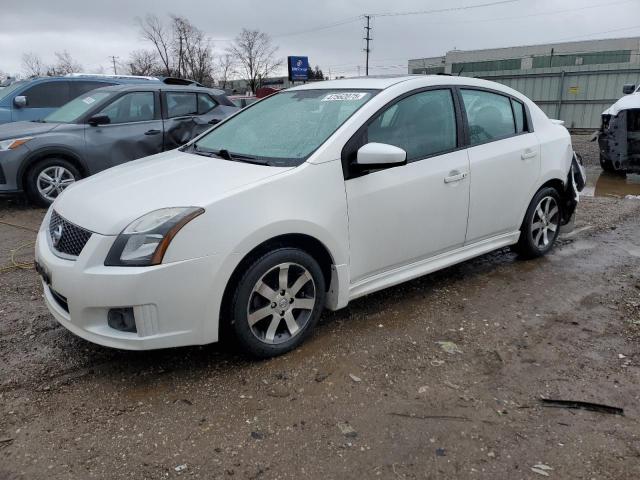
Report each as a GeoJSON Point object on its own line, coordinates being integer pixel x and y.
{"type": "Point", "coordinates": [122, 319]}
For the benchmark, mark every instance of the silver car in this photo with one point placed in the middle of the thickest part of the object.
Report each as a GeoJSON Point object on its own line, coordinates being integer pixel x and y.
{"type": "Point", "coordinates": [100, 129]}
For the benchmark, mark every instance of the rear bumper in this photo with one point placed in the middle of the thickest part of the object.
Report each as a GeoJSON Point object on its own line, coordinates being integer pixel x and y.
{"type": "Point", "coordinates": [174, 304]}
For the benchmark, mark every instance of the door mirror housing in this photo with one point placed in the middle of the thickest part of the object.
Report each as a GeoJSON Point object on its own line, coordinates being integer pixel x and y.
{"type": "Point", "coordinates": [20, 101]}
{"type": "Point", "coordinates": [99, 120]}
{"type": "Point", "coordinates": [627, 89]}
{"type": "Point", "coordinates": [380, 155]}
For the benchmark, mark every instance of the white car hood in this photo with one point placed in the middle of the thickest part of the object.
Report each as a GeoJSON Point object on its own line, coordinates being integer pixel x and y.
{"type": "Point", "coordinates": [625, 103]}
{"type": "Point", "coordinates": [107, 202]}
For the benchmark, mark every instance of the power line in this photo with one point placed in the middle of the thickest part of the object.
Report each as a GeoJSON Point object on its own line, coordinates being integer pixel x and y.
{"type": "Point", "coordinates": [599, 33]}
{"type": "Point", "coordinates": [322, 27]}
{"type": "Point", "coordinates": [442, 10]}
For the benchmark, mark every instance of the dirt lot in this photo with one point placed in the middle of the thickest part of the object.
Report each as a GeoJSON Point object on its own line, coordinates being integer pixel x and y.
{"type": "Point", "coordinates": [372, 394]}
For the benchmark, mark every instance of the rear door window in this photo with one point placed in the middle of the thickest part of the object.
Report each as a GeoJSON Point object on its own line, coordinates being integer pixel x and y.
{"type": "Point", "coordinates": [52, 94]}
{"type": "Point", "coordinates": [489, 115]}
{"type": "Point", "coordinates": [180, 104]}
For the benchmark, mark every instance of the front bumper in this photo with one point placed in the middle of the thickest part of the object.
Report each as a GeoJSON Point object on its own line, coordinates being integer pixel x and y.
{"type": "Point", "coordinates": [174, 304]}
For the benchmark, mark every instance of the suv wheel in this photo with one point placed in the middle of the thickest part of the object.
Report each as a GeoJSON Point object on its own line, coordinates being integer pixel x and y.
{"type": "Point", "coordinates": [541, 224]}
{"type": "Point", "coordinates": [277, 302]}
{"type": "Point", "coordinates": [48, 178]}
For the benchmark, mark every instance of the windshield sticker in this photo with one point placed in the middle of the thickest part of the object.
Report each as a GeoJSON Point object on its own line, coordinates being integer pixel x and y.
{"type": "Point", "coordinates": [89, 100]}
{"type": "Point", "coordinates": [344, 97]}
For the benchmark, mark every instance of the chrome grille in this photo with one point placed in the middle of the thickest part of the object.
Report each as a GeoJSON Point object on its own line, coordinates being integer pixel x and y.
{"type": "Point", "coordinates": [66, 237]}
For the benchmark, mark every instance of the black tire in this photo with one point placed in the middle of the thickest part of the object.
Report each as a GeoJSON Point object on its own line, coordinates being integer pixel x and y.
{"type": "Point", "coordinates": [532, 239]}
{"type": "Point", "coordinates": [606, 164]}
{"type": "Point", "coordinates": [31, 179]}
{"type": "Point", "coordinates": [266, 269]}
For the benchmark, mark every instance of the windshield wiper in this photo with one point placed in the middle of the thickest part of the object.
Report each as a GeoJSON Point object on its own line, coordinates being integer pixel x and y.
{"type": "Point", "coordinates": [237, 157]}
{"type": "Point", "coordinates": [227, 155]}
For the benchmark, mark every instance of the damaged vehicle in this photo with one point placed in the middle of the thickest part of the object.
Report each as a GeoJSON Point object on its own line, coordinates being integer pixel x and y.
{"type": "Point", "coordinates": [100, 129]}
{"type": "Point", "coordinates": [619, 135]}
{"type": "Point", "coordinates": [306, 200]}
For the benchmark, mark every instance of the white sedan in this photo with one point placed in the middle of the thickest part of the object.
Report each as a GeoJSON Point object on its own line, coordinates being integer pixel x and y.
{"type": "Point", "coordinates": [307, 199]}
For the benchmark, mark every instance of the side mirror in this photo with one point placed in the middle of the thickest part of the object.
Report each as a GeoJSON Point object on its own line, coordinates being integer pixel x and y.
{"type": "Point", "coordinates": [99, 120]}
{"type": "Point", "coordinates": [627, 89]}
{"type": "Point", "coordinates": [20, 101]}
{"type": "Point", "coordinates": [380, 155]}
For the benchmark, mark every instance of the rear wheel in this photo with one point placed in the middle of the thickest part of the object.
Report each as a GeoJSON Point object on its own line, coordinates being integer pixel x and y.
{"type": "Point", "coordinates": [48, 178]}
{"type": "Point", "coordinates": [607, 166]}
{"type": "Point", "coordinates": [541, 224]}
{"type": "Point", "coordinates": [278, 301]}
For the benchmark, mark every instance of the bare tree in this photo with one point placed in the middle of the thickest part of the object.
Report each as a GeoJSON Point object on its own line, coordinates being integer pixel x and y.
{"type": "Point", "coordinates": [224, 69]}
{"type": "Point", "coordinates": [65, 64]}
{"type": "Point", "coordinates": [32, 65]}
{"type": "Point", "coordinates": [144, 62]}
{"type": "Point", "coordinates": [255, 56]}
{"type": "Point", "coordinates": [192, 51]}
{"type": "Point", "coordinates": [153, 30]}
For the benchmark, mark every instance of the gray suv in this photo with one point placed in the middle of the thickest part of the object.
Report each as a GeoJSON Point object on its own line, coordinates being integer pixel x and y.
{"type": "Point", "coordinates": [100, 129]}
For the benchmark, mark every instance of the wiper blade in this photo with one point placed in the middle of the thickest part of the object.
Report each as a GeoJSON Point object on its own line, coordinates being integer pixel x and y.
{"type": "Point", "coordinates": [204, 153]}
{"type": "Point", "coordinates": [227, 155]}
{"type": "Point", "coordinates": [237, 157]}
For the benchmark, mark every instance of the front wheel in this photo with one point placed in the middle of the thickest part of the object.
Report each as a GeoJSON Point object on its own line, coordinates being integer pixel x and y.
{"type": "Point", "coordinates": [48, 178]}
{"type": "Point", "coordinates": [277, 302]}
{"type": "Point", "coordinates": [541, 224]}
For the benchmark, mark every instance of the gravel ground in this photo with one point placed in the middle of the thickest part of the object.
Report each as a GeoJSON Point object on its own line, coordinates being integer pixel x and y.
{"type": "Point", "coordinates": [371, 395]}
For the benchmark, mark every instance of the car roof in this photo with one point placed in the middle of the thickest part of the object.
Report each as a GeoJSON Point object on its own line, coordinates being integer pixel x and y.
{"type": "Point", "coordinates": [410, 82]}
{"type": "Point", "coordinates": [159, 86]}
{"type": "Point", "coordinates": [96, 78]}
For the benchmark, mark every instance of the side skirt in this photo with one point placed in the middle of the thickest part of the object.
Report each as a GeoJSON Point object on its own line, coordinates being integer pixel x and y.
{"type": "Point", "coordinates": [429, 265]}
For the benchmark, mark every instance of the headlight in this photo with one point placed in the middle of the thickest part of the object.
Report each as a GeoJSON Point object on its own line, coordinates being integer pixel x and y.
{"type": "Point", "coordinates": [13, 143]}
{"type": "Point", "coordinates": [145, 241]}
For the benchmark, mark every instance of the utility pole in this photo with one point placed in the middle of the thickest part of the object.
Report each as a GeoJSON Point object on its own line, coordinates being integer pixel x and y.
{"type": "Point", "coordinates": [113, 59]}
{"type": "Point", "coordinates": [368, 39]}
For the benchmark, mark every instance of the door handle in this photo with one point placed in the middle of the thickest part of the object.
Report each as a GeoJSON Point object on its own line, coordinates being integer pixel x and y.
{"type": "Point", "coordinates": [455, 177]}
{"type": "Point", "coordinates": [152, 132]}
{"type": "Point", "coordinates": [527, 154]}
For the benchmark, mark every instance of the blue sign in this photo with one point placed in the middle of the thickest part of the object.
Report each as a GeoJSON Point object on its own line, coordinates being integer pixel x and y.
{"type": "Point", "coordinates": [298, 68]}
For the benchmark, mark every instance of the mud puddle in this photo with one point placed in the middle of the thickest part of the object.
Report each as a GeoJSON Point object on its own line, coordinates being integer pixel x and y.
{"type": "Point", "coordinates": [604, 184]}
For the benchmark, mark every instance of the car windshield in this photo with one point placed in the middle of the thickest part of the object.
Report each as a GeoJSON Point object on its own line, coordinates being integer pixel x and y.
{"type": "Point", "coordinates": [5, 92]}
{"type": "Point", "coordinates": [72, 111]}
{"type": "Point", "coordinates": [284, 129]}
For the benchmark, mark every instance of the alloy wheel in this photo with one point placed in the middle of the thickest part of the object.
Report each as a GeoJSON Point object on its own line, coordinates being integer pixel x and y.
{"type": "Point", "coordinates": [281, 303]}
{"type": "Point", "coordinates": [53, 180]}
{"type": "Point", "coordinates": [545, 222]}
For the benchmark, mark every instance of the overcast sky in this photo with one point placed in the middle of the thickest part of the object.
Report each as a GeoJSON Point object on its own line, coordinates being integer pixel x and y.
{"type": "Point", "coordinates": [92, 31]}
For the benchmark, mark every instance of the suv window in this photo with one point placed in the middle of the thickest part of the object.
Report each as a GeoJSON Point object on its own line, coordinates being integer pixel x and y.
{"type": "Point", "coordinates": [489, 115]}
{"type": "Point", "coordinates": [205, 103]}
{"type": "Point", "coordinates": [131, 107]}
{"type": "Point", "coordinates": [423, 124]}
{"type": "Point", "coordinates": [80, 87]}
{"type": "Point", "coordinates": [180, 104]}
{"type": "Point", "coordinates": [52, 94]}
